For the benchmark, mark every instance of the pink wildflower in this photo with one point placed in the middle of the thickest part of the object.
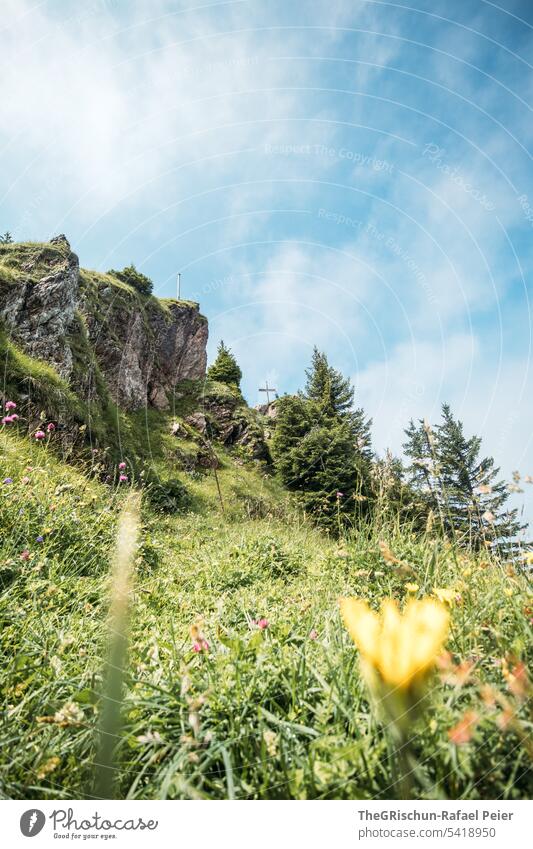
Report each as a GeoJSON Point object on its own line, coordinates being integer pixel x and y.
{"type": "Point", "coordinates": [122, 466]}
{"type": "Point", "coordinates": [7, 420]}
{"type": "Point", "coordinates": [50, 427]}
{"type": "Point", "coordinates": [14, 417]}
{"type": "Point", "coordinates": [200, 645]}
{"type": "Point", "coordinates": [25, 555]}
{"type": "Point", "coordinates": [123, 479]}
{"type": "Point", "coordinates": [262, 623]}
{"type": "Point", "coordinates": [313, 634]}
{"type": "Point", "coordinates": [340, 494]}
{"type": "Point", "coordinates": [10, 405]}
{"type": "Point", "coordinates": [40, 435]}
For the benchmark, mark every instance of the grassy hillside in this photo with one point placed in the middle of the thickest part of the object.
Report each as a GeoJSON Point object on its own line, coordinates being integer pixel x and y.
{"type": "Point", "coordinates": [272, 705]}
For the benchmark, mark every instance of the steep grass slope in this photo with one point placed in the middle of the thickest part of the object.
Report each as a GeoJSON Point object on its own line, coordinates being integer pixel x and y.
{"type": "Point", "coordinates": [241, 680]}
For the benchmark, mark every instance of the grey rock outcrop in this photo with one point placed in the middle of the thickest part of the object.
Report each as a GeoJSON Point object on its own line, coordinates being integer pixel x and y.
{"type": "Point", "coordinates": [232, 422]}
{"type": "Point", "coordinates": [38, 309]}
{"type": "Point", "coordinates": [145, 349]}
{"type": "Point", "coordinates": [142, 346]}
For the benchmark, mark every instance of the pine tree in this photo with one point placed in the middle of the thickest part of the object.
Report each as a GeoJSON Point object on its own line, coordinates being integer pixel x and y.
{"type": "Point", "coordinates": [474, 497]}
{"type": "Point", "coordinates": [321, 446]}
{"type": "Point", "coordinates": [331, 391]}
{"type": "Point", "coordinates": [294, 420]}
{"type": "Point", "coordinates": [334, 396]}
{"type": "Point", "coordinates": [225, 369]}
{"type": "Point", "coordinates": [462, 490]}
{"type": "Point", "coordinates": [6, 239]}
{"type": "Point", "coordinates": [420, 448]}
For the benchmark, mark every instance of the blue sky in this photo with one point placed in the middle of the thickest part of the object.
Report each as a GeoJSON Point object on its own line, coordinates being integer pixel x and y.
{"type": "Point", "coordinates": [355, 175]}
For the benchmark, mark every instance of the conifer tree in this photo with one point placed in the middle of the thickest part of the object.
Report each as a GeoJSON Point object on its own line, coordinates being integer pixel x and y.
{"type": "Point", "coordinates": [420, 448]}
{"type": "Point", "coordinates": [451, 481]}
{"type": "Point", "coordinates": [474, 497]}
{"type": "Point", "coordinates": [334, 396]}
{"type": "Point", "coordinates": [327, 387]}
{"type": "Point", "coordinates": [321, 445]}
{"type": "Point", "coordinates": [225, 369]}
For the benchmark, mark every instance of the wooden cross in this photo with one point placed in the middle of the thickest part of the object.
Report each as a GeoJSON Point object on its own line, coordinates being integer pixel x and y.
{"type": "Point", "coordinates": [268, 389]}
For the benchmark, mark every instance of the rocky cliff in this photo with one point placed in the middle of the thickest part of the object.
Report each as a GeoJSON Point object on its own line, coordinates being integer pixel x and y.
{"type": "Point", "coordinates": [81, 321]}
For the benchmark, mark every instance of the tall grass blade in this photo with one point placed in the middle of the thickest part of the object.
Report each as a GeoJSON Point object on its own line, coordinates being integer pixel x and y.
{"type": "Point", "coordinates": [110, 716]}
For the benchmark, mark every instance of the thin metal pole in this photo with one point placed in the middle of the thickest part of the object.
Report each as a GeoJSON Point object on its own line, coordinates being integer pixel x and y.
{"type": "Point", "coordinates": [179, 286]}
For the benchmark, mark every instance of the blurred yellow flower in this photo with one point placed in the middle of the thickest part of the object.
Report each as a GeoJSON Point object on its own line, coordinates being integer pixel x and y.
{"type": "Point", "coordinates": [412, 588]}
{"type": "Point", "coordinates": [401, 648]}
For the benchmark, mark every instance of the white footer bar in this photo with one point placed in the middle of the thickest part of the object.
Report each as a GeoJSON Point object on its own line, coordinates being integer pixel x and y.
{"type": "Point", "coordinates": [272, 824]}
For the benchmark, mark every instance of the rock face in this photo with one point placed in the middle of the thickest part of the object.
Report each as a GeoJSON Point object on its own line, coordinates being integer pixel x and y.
{"type": "Point", "coordinates": [231, 421]}
{"type": "Point", "coordinates": [39, 308]}
{"type": "Point", "coordinates": [143, 347]}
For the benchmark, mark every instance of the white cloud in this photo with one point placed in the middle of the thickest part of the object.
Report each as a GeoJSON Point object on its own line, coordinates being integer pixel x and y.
{"type": "Point", "coordinates": [109, 109]}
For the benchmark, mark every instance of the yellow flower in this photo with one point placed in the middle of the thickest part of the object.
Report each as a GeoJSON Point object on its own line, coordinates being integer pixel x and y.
{"type": "Point", "coordinates": [412, 588]}
{"type": "Point", "coordinates": [528, 558]}
{"type": "Point", "coordinates": [445, 595]}
{"type": "Point", "coordinates": [401, 648]}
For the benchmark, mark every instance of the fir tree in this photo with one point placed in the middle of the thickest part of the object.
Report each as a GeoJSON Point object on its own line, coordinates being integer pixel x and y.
{"type": "Point", "coordinates": [294, 420]}
{"type": "Point", "coordinates": [334, 396]}
{"type": "Point", "coordinates": [420, 448]}
{"type": "Point", "coordinates": [462, 490]}
{"type": "Point", "coordinates": [327, 387]}
{"type": "Point", "coordinates": [225, 369]}
{"type": "Point", "coordinates": [473, 495]}
{"type": "Point", "coordinates": [321, 446]}
{"type": "Point", "coordinates": [6, 239]}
